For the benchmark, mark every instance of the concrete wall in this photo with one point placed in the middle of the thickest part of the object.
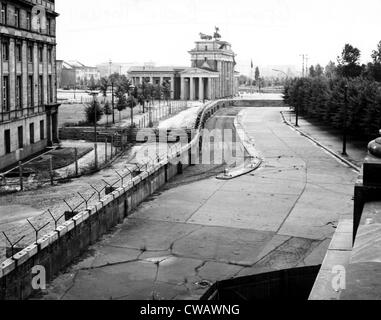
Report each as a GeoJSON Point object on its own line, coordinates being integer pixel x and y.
{"type": "Point", "coordinates": [259, 103]}
{"type": "Point", "coordinates": [58, 249]}
{"type": "Point", "coordinates": [28, 149]}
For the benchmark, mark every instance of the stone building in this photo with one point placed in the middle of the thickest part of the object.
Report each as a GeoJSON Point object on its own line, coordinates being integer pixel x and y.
{"type": "Point", "coordinates": [211, 76]}
{"type": "Point", "coordinates": [74, 74]}
{"type": "Point", "coordinates": [28, 95]}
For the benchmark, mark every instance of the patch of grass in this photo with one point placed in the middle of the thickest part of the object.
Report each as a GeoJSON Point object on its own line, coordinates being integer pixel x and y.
{"type": "Point", "coordinates": [61, 158]}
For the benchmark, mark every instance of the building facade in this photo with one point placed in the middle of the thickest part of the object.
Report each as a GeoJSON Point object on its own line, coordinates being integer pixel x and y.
{"type": "Point", "coordinates": [74, 74]}
{"type": "Point", "coordinates": [28, 95]}
{"type": "Point", "coordinates": [211, 76]}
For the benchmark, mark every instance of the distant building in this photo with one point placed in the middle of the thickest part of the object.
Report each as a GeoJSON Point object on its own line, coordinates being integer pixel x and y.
{"type": "Point", "coordinates": [107, 68]}
{"type": "Point", "coordinates": [74, 74]}
{"type": "Point", "coordinates": [28, 95]}
{"type": "Point", "coordinates": [211, 75]}
{"type": "Point", "coordinates": [66, 76]}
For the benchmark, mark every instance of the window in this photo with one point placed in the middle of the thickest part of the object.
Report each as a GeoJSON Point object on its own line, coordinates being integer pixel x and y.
{"type": "Point", "coordinates": [39, 25]}
{"type": "Point", "coordinates": [20, 132]}
{"type": "Point", "coordinates": [41, 54]}
{"type": "Point", "coordinates": [17, 17]}
{"type": "Point", "coordinates": [30, 53]}
{"type": "Point", "coordinates": [4, 13]}
{"type": "Point", "coordinates": [42, 130]}
{"type": "Point", "coordinates": [50, 93]}
{"type": "Point", "coordinates": [48, 26]}
{"type": "Point", "coordinates": [18, 52]}
{"type": "Point", "coordinates": [31, 133]}
{"type": "Point", "coordinates": [30, 91]}
{"type": "Point", "coordinates": [7, 141]}
{"type": "Point", "coordinates": [40, 91]}
{"type": "Point", "coordinates": [6, 93]}
{"type": "Point", "coordinates": [50, 55]}
{"type": "Point", "coordinates": [5, 50]}
{"type": "Point", "coordinates": [29, 21]}
{"type": "Point", "coordinates": [18, 92]}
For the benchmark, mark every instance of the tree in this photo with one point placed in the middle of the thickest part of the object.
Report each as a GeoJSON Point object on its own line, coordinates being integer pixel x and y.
{"type": "Point", "coordinates": [92, 84]}
{"type": "Point", "coordinates": [257, 74]}
{"type": "Point", "coordinates": [93, 111]}
{"type": "Point", "coordinates": [121, 102]}
{"type": "Point", "coordinates": [107, 109]}
{"type": "Point", "coordinates": [330, 70]}
{"type": "Point", "coordinates": [373, 70]}
{"type": "Point", "coordinates": [143, 93]}
{"type": "Point", "coordinates": [166, 90]}
{"type": "Point", "coordinates": [312, 72]}
{"type": "Point", "coordinates": [376, 55]}
{"type": "Point", "coordinates": [349, 66]}
{"type": "Point", "coordinates": [131, 103]}
{"type": "Point", "coordinates": [319, 70]}
{"type": "Point", "coordinates": [103, 87]}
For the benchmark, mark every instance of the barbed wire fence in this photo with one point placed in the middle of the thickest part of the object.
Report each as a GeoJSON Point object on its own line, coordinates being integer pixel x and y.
{"type": "Point", "coordinates": [18, 238]}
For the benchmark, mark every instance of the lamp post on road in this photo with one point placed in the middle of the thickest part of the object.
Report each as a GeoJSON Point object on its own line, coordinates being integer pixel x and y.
{"type": "Point", "coordinates": [94, 94]}
{"type": "Point", "coordinates": [344, 153]}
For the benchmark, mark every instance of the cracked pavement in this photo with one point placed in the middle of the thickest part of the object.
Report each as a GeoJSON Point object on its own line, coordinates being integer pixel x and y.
{"type": "Point", "coordinates": [193, 233]}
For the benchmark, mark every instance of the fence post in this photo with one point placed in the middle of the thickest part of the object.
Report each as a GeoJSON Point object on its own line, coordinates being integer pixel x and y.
{"type": "Point", "coordinates": [76, 161]}
{"type": "Point", "coordinates": [51, 170]}
{"type": "Point", "coordinates": [21, 176]}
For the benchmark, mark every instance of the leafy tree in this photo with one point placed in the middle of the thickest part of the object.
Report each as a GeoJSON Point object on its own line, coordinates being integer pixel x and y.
{"type": "Point", "coordinates": [131, 103]}
{"type": "Point", "coordinates": [319, 70]}
{"type": "Point", "coordinates": [166, 90]}
{"type": "Point", "coordinates": [107, 110]}
{"type": "Point", "coordinates": [103, 87]}
{"type": "Point", "coordinates": [93, 111]}
{"type": "Point", "coordinates": [330, 70]}
{"type": "Point", "coordinates": [312, 72]}
{"type": "Point", "coordinates": [257, 74]}
{"type": "Point", "coordinates": [376, 55]}
{"type": "Point", "coordinates": [373, 70]}
{"type": "Point", "coordinates": [349, 66]}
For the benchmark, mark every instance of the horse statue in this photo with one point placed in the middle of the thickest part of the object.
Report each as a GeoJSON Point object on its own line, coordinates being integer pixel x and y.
{"type": "Point", "coordinates": [217, 34]}
{"type": "Point", "coordinates": [204, 36]}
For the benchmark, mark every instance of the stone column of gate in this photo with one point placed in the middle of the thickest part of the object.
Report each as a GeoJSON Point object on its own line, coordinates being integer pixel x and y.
{"type": "Point", "coordinates": [201, 89]}
{"type": "Point", "coordinates": [182, 93]}
{"type": "Point", "coordinates": [172, 88]}
{"type": "Point", "coordinates": [192, 88]}
{"type": "Point", "coordinates": [210, 87]}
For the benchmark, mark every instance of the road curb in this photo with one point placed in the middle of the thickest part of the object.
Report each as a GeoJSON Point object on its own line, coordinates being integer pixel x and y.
{"type": "Point", "coordinates": [333, 153]}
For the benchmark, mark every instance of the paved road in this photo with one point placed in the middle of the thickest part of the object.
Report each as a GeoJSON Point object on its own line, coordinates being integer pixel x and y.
{"type": "Point", "coordinates": [281, 216]}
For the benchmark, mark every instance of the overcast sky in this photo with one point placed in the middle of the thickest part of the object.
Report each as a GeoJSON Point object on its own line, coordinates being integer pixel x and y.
{"type": "Point", "coordinates": [271, 32]}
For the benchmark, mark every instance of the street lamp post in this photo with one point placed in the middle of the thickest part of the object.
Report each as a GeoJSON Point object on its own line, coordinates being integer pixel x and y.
{"type": "Point", "coordinates": [132, 102]}
{"type": "Point", "coordinates": [112, 101]}
{"type": "Point", "coordinates": [344, 153]}
{"type": "Point", "coordinates": [94, 94]}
